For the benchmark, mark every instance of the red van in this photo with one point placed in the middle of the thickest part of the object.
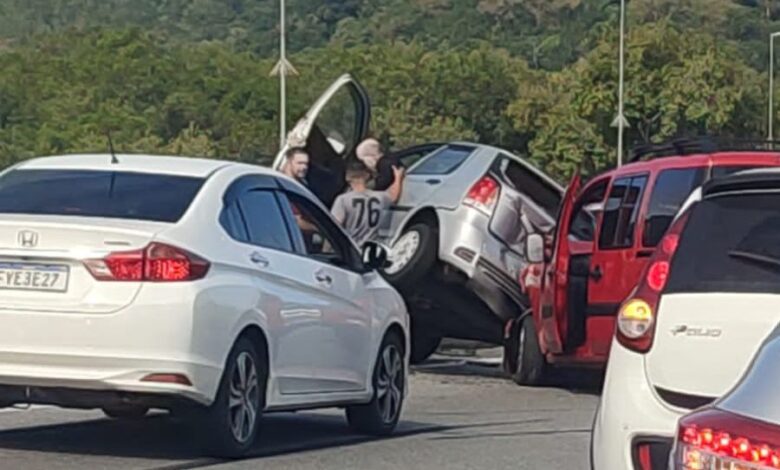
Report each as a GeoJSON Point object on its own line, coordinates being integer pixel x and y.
{"type": "Point", "coordinates": [607, 229]}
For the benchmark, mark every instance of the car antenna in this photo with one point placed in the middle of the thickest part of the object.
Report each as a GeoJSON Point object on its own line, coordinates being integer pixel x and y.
{"type": "Point", "coordinates": [114, 160]}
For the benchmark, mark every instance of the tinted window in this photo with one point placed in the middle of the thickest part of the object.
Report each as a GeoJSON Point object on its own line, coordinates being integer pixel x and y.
{"type": "Point", "coordinates": [112, 194]}
{"type": "Point", "coordinates": [742, 255]}
{"type": "Point", "coordinates": [443, 162]}
{"type": "Point", "coordinates": [264, 220]}
{"type": "Point", "coordinates": [670, 191]}
{"type": "Point", "coordinates": [531, 184]}
{"type": "Point", "coordinates": [620, 213]}
{"type": "Point", "coordinates": [721, 171]}
{"type": "Point", "coordinates": [233, 223]}
{"type": "Point", "coordinates": [583, 222]}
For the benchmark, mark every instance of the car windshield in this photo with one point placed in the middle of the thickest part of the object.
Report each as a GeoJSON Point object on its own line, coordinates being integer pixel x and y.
{"type": "Point", "coordinates": [741, 255]}
{"type": "Point", "coordinates": [87, 193]}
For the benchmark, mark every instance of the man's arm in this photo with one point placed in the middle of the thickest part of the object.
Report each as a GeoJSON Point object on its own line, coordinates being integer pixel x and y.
{"type": "Point", "coordinates": [339, 211]}
{"type": "Point", "coordinates": [395, 189]}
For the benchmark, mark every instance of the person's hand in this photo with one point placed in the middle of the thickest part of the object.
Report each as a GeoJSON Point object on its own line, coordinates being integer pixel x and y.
{"type": "Point", "coordinates": [398, 172]}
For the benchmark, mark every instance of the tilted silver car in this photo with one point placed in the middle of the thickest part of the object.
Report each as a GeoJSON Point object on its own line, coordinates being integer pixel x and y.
{"type": "Point", "coordinates": [458, 232]}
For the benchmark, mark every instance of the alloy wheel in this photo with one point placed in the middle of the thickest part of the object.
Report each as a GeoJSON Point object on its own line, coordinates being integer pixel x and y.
{"type": "Point", "coordinates": [244, 398]}
{"type": "Point", "coordinates": [403, 251]}
{"type": "Point", "coordinates": [390, 384]}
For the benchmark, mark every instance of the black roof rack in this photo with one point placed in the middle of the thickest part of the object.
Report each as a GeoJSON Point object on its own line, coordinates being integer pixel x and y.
{"type": "Point", "coordinates": [699, 145]}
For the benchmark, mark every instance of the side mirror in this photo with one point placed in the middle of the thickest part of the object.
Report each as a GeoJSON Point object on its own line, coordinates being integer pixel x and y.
{"type": "Point", "coordinates": [534, 248]}
{"type": "Point", "coordinates": [375, 256]}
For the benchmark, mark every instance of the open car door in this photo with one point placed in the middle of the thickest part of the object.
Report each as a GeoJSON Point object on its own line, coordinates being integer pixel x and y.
{"type": "Point", "coordinates": [330, 131]}
{"type": "Point", "coordinates": [553, 305]}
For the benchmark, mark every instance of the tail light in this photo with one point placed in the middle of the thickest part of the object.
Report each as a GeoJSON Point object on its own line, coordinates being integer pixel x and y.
{"type": "Point", "coordinates": [483, 195]}
{"type": "Point", "coordinates": [157, 262]}
{"type": "Point", "coordinates": [715, 439]}
{"type": "Point", "coordinates": [636, 318]}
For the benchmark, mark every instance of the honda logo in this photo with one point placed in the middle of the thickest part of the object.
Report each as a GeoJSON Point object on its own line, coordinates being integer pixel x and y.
{"type": "Point", "coordinates": [28, 239]}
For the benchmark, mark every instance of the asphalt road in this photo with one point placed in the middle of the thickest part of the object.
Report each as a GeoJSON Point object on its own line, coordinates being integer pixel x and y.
{"type": "Point", "coordinates": [459, 416]}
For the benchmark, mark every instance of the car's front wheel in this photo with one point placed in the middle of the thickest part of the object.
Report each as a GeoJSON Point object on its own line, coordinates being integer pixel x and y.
{"type": "Point", "coordinates": [380, 416]}
{"type": "Point", "coordinates": [230, 425]}
{"type": "Point", "coordinates": [523, 358]}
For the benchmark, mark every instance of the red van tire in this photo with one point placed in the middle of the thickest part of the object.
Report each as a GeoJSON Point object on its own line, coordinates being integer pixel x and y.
{"type": "Point", "coordinates": [523, 359]}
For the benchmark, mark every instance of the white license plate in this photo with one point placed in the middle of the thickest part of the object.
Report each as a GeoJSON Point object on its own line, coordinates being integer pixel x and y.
{"type": "Point", "coordinates": [37, 277]}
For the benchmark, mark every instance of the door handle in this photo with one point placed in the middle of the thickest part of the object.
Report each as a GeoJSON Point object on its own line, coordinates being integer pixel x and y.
{"type": "Point", "coordinates": [259, 260]}
{"type": "Point", "coordinates": [323, 278]}
{"type": "Point", "coordinates": [596, 274]}
{"type": "Point", "coordinates": [432, 182]}
{"type": "Point", "coordinates": [644, 253]}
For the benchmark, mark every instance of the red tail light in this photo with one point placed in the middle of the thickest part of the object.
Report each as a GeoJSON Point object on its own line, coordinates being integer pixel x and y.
{"type": "Point", "coordinates": [157, 262]}
{"type": "Point", "coordinates": [483, 195]}
{"type": "Point", "coordinates": [712, 438]}
{"type": "Point", "coordinates": [636, 319]}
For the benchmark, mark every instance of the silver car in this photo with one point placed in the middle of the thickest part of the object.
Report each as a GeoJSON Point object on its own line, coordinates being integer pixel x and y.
{"type": "Point", "coordinates": [457, 240]}
{"type": "Point", "coordinates": [458, 232]}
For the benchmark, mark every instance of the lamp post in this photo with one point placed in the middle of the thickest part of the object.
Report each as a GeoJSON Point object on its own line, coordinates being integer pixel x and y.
{"type": "Point", "coordinates": [621, 121]}
{"type": "Point", "coordinates": [772, 83]}
{"type": "Point", "coordinates": [282, 69]}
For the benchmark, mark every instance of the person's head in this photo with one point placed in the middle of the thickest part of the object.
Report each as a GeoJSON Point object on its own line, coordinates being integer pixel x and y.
{"type": "Point", "coordinates": [358, 175]}
{"type": "Point", "coordinates": [370, 152]}
{"type": "Point", "coordinates": [297, 165]}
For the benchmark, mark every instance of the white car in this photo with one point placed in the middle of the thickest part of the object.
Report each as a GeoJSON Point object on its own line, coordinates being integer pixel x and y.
{"type": "Point", "coordinates": [706, 302]}
{"type": "Point", "coordinates": [216, 289]}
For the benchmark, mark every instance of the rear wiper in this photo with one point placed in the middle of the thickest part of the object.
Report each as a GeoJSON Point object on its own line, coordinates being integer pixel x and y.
{"type": "Point", "coordinates": [756, 258]}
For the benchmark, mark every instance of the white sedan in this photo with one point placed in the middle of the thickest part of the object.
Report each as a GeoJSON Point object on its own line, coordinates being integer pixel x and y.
{"type": "Point", "coordinates": [219, 290]}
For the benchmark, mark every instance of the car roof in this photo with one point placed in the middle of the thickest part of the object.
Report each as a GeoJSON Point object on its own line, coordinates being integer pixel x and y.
{"type": "Point", "coordinates": [734, 158]}
{"type": "Point", "coordinates": [169, 165]}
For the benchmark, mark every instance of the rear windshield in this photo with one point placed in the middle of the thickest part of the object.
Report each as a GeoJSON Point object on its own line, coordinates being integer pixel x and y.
{"type": "Point", "coordinates": [112, 194]}
{"type": "Point", "coordinates": [443, 162]}
{"type": "Point", "coordinates": [730, 244]}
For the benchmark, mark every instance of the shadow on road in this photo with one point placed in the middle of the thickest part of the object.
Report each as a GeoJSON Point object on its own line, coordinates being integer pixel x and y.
{"type": "Point", "coordinates": [578, 381]}
{"type": "Point", "coordinates": [161, 437]}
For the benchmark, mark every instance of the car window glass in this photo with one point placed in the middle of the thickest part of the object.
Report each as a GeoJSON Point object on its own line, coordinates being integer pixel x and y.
{"type": "Point", "coordinates": [338, 120]}
{"type": "Point", "coordinates": [544, 194]}
{"type": "Point", "coordinates": [670, 191]}
{"type": "Point", "coordinates": [583, 222]}
{"type": "Point", "coordinates": [444, 161]}
{"type": "Point", "coordinates": [621, 212]}
{"type": "Point", "coordinates": [264, 220]}
{"type": "Point", "coordinates": [721, 171]}
{"type": "Point", "coordinates": [233, 223]}
{"type": "Point", "coordinates": [322, 238]}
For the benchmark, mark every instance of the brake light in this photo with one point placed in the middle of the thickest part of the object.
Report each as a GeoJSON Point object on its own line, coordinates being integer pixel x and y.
{"type": "Point", "coordinates": [713, 439]}
{"type": "Point", "coordinates": [636, 318]}
{"type": "Point", "coordinates": [483, 195]}
{"type": "Point", "coordinates": [157, 262]}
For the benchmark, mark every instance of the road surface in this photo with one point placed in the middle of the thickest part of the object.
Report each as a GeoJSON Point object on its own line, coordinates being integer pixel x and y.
{"type": "Point", "coordinates": [459, 416]}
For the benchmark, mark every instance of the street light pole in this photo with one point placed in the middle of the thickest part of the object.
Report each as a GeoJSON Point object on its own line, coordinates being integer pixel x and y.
{"type": "Point", "coordinates": [621, 119]}
{"type": "Point", "coordinates": [772, 84]}
{"type": "Point", "coordinates": [283, 68]}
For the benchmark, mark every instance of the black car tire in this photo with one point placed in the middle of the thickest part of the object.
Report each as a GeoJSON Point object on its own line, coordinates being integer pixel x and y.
{"type": "Point", "coordinates": [523, 359]}
{"type": "Point", "coordinates": [125, 412]}
{"type": "Point", "coordinates": [421, 261]}
{"type": "Point", "coordinates": [220, 422]}
{"type": "Point", "coordinates": [389, 382]}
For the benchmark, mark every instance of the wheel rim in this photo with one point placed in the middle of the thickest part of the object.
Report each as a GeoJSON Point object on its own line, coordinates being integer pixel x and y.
{"type": "Point", "coordinates": [244, 398]}
{"type": "Point", "coordinates": [390, 384]}
{"type": "Point", "coordinates": [403, 251]}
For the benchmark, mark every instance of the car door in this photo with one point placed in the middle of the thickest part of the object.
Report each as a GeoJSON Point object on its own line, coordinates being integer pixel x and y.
{"type": "Point", "coordinates": [552, 307]}
{"type": "Point", "coordinates": [618, 257]}
{"type": "Point", "coordinates": [332, 265]}
{"type": "Point", "coordinates": [330, 131]}
{"type": "Point", "coordinates": [254, 218]}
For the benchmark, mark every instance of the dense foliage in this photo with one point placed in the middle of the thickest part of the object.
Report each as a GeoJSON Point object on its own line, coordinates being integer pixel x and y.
{"type": "Point", "coordinates": [536, 76]}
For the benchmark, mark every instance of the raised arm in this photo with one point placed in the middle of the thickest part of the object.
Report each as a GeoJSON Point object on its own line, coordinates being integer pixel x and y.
{"type": "Point", "coordinates": [394, 191]}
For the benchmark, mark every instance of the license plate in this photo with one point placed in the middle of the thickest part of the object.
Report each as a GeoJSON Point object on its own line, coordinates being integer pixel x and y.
{"type": "Point", "coordinates": [37, 277]}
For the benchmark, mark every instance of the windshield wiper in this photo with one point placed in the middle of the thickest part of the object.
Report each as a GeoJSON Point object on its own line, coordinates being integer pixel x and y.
{"type": "Point", "coordinates": [756, 258]}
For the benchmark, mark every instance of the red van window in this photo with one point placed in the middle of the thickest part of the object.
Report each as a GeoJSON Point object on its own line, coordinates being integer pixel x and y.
{"type": "Point", "coordinates": [670, 191]}
{"type": "Point", "coordinates": [620, 213]}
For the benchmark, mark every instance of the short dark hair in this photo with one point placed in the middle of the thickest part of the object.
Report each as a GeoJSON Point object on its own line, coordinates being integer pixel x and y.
{"type": "Point", "coordinates": [293, 151]}
{"type": "Point", "coordinates": [357, 169]}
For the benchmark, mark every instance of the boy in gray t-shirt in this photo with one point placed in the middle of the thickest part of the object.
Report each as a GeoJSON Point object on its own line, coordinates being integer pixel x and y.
{"type": "Point", "coordinates": [362, 211]}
